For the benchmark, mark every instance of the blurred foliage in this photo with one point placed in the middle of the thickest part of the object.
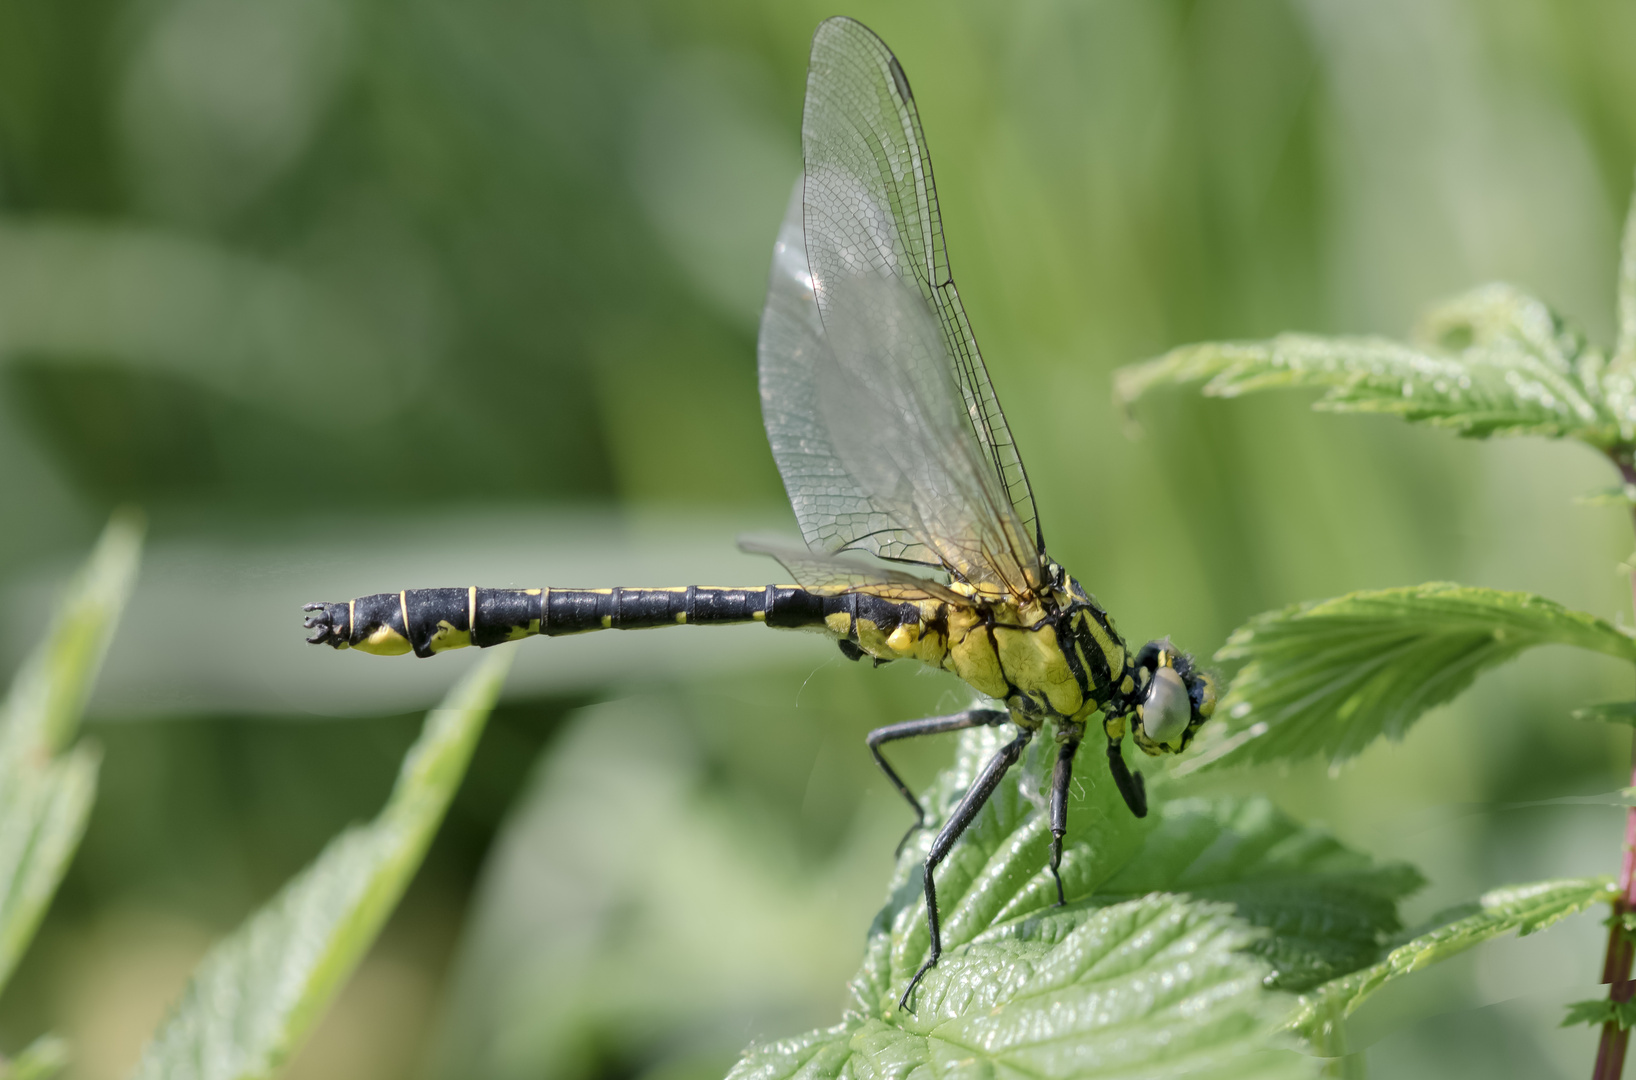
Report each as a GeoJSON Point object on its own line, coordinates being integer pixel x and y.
{"type": "Point", "coordinates": [1522, 908]}
{"type": "Point", "coordinates": [41, 1059]}
{"type": "Point", "coordinates": [323, 282]}
{"type": "Point", "coordinates": [47, 784]}
{"type": "Point", "coordinates": [255, 996]}
{"type": "Point", "coordinates": [253, 999]}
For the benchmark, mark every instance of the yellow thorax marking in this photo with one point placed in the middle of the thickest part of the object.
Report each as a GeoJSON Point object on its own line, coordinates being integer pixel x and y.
{"type": "Point", "coordinates": [903, 639]}
{"type": "Point", "coordinates": [1032, 660]}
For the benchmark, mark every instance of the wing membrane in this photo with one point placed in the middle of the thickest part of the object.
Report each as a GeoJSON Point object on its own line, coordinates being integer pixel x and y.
{"type": "Point", "coordinates": [885, 393]}
{"type": "Point", "coordinates": [879, 412]}
{"type": "Point", "coordinates": [865, 422]}
{"type": "Point", "coordinates": [871, 205]}
{"type": "Point", "coordinates": [834, 511]}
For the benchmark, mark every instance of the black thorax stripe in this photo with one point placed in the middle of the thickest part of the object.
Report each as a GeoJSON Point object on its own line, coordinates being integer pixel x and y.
{"type": "Point", "coordinates": [1083, 648]}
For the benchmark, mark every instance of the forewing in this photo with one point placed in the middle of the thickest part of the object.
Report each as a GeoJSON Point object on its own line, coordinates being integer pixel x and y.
{"type": "Point", "coordinates": [871, 207]}
{"type": "Point", "coordinates": [866, 426]}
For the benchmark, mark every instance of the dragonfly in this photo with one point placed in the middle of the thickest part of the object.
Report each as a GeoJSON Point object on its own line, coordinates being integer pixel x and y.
{"type": "Point", "coordinates": [922, 541]}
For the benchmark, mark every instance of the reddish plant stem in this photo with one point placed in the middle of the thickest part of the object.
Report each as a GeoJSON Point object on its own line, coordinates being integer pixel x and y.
{"type": "Point", "coordinates": [1616, 963]}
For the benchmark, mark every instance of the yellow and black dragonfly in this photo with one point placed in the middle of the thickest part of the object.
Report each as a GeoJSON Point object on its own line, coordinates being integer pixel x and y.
{"type": "Point", "coordinates": [892, 444]}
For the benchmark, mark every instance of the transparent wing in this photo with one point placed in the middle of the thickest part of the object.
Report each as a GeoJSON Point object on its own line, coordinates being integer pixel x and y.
{"type": "Point", "coordinates": [871, 205]}
{"type": "Point", "coordinates": [880, 415]}
{"type": "Point", "coordinates": [834, 511]}
{"type": "Point", "coordinates": [833, 573]}
{"type": "Point", "coordinates": [885, 393]}
{"type": "Point", "coordinates": [866, 425]}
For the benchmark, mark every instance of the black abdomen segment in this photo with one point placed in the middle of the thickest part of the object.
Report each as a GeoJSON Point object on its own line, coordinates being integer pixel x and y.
{"type": "Point", "coordinates": [430, 621]}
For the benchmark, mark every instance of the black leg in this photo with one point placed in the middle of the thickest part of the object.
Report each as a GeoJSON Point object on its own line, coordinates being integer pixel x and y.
{"type": "Point", "coordinates": [1130, 784]}
{"type": "Point", "coordinates": [1060, 779]}
{"type": "Point", "coordinates": [964, 814]}
{"type": "Point", "coordinates": [931, 725]}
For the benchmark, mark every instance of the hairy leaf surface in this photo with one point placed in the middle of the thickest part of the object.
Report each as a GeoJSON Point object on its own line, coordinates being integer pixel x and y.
{"type": "Point", "coordinates": [1165, 962]}
{"type": "Point", "coordinates": [1326, 909]}
{"type": "Point", "coordinates": [1493, 361]}
{"type": "Point", "coordinates": [1156, 987]}
{"type": "Point", "coordinates": [1329, 677]}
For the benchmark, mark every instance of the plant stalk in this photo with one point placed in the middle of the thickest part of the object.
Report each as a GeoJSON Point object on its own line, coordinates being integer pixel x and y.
{"type": "Point", "coordinates": [1616, 963]}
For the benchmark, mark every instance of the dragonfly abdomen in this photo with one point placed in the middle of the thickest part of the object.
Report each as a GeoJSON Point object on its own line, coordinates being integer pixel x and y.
{"type": "Point", "coordinates": [429, 621]}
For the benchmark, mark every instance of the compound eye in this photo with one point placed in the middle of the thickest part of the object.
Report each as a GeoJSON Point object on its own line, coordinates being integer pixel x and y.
{"type": "Point", "coordinates": [1168, 708]}
{"type": "Point", "coordinates": [1207, 696]}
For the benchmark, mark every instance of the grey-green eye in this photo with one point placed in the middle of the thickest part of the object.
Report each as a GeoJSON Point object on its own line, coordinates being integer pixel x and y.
{"type": "Point", "coordinates": [1167, 709]}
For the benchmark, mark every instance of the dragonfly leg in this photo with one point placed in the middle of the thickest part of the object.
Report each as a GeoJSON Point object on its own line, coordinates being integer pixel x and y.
{"type": "Point", "coordinates": [1060, 778]}
{"type": "Point", "coordinates": [964, 814]}
{"type": "Point", "coordinates": [931, 725]}
{"type": "Point", "coordinates": [1130, 784]}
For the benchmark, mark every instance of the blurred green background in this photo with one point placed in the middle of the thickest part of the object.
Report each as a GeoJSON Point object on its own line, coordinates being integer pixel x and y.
{"type": "Point", "coordinates": [354, 295]}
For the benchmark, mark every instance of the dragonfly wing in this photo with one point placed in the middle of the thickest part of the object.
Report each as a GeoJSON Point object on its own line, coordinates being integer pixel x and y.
{"type": "Point", "coordinates": [877, 407]}
{"type": "Point", "coordinates": [834, 510]}
{"type": "Point", "coordinates": [865, 422]}
{"type": "Point", "coordinates": [871, 206]}
{"type": "Point", "coordinates": [886, 397]}
{"type": "Point", "coordinates": [834, 573]}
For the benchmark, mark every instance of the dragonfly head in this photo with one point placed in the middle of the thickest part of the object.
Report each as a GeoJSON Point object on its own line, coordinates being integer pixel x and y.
{"type": "Point", "coordinates": [1174, 700]}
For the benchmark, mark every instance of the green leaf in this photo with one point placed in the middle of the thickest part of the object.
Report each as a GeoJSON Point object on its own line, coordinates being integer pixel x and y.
{"type": "Point", "coordinates": [1155, 987]}
{"type": "Point", "coordinates": [998, 873]}
{"type": "Point", "coordinates": [42, 709]}
{"type": "Point", "coordinates": [42, 1059]}
{"type": "Point", "coordinates": [722, 922]}
{"type": "Point", "coordinates": [1328, 677]}
{"type": "Point", "coordinates": [43, 812]}
{"type": "Point", "coordinates": [1161, 985]}
{"type": "Point", "coordinates": [1326, 909]}
{"type": "Point", "coordinates": [1595, 1013]}
{"type": "Point", "coordinates": [45, 794]}
{"type": "Point", "coordinates": [259, 991]}
{"type": "Point", "coordinates": [1523, 908]}
{"type": "Point", "coordinates": [1493, 361]}
{"type": "Point", "coordinates": [1600, 1011]}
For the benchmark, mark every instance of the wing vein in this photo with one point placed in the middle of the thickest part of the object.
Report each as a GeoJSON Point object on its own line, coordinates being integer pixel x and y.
{"type": "Point", "coordinates": [879, 409]}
